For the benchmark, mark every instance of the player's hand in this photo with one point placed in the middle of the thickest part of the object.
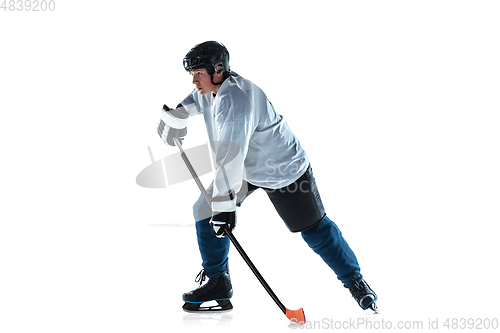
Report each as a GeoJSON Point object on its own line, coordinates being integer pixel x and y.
{"type": "Point", "coordinates": [222, 220]}
{"type": "Point", "coordinates": [172, 124]}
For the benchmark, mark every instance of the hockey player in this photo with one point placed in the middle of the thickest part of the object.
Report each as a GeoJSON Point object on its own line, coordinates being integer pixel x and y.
{"type": "Point", "coordinates": [254, 149]}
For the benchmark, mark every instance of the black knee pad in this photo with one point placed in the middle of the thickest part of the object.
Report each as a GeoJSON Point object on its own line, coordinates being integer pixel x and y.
{"type": "Point", "coordinates": [299, 204]}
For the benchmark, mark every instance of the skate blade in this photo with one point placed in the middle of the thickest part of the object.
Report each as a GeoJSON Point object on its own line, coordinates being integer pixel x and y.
{"type": "Point", "coordinates": [207, 310]}
{"type": "Point", "coordinates": [374, 308]}
{"type": "Point", "coordinates": [223, 306]}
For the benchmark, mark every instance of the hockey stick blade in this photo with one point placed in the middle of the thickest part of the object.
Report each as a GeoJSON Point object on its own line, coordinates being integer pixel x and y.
{"type": "Point", "coordinates": [296, 316]}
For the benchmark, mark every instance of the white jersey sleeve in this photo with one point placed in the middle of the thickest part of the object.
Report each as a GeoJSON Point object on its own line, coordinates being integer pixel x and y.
{"type": "Point", "coordinates": [190, 104]}
{"type": "Point", "coordinates": [234, 125]}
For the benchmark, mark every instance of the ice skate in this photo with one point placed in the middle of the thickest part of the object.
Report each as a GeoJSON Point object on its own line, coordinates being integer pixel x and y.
{"type": "Point", "coordinates": [364, 295]}
{"type": "Point", "coordinates": [218, 289]}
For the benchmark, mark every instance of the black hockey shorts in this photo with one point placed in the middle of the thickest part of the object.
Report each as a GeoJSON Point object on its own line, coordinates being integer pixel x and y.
{"type": "Point", "coordinates": [298, 204]}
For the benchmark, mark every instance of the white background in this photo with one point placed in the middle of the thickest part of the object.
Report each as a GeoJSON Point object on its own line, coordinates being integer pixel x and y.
{"type": "Point", "coordinates": [396, 103]}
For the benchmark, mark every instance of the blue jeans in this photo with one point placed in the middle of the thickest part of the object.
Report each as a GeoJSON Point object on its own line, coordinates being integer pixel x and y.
{"type": "Point", "coordinates": [325, 239]}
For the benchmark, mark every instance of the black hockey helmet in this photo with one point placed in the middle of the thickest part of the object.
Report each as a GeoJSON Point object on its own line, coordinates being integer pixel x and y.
{"type": "Point", "coordinates": [209, 55]}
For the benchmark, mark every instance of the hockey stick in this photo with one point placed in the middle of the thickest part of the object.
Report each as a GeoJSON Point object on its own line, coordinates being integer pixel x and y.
{"type": "Point", "coordinates": [294, 315]}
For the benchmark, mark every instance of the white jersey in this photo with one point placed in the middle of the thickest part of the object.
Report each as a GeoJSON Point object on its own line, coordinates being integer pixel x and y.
{"type": "Point", "coordinates": [270, 155]}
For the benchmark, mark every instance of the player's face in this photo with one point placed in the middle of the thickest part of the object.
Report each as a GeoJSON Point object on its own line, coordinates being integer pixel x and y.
{"type": "Point", "coordinates": [202, 81]}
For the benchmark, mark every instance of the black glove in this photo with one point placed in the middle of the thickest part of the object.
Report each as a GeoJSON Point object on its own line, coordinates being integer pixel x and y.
{"type": "Point", "coordinates": [222, 220]}
{"type": "Point", "coordinates": [172, 124]}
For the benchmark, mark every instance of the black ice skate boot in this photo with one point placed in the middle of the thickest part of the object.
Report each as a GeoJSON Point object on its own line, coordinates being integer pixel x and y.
{"type": "Point", "coordinates": [363, 294]}
{"type": "Point", "coordinates": [217, 289]}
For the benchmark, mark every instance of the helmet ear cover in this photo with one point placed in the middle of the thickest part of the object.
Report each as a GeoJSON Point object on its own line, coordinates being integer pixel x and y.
{"type": "Point", "coordinates": [224, 77]}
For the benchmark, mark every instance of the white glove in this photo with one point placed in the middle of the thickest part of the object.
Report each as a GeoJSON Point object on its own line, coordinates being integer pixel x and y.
{"type": "Point", "coordinates": [172, 124]}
